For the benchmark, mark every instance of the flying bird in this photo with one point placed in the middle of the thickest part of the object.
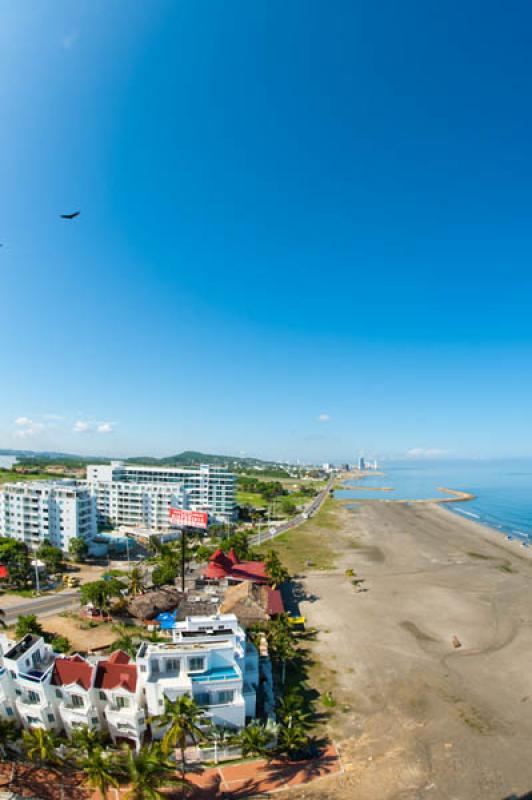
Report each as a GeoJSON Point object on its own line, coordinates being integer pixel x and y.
{"type": "Point", "coordinates": [70, 216]}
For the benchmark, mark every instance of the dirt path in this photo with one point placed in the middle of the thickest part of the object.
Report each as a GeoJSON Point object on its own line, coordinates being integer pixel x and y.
{"type": "Point", "coordinates": [415, 716]}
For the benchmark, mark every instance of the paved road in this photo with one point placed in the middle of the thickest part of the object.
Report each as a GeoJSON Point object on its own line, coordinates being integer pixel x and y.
{"type": "Point", "coordinates": [41, 606]}
{"type": "Point", "coordinates": [316, 504]}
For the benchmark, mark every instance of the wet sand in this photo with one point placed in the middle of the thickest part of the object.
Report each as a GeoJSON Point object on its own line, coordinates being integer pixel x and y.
{"type": "Point", "coordinates": [417, 717]}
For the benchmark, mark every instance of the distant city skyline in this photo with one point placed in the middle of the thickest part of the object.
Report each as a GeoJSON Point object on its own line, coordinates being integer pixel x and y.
{"type": "Point", "coordinates": [304, 229]}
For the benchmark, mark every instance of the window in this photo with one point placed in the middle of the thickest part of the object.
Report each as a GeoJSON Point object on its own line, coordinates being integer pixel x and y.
{"type": "Point", "coordinates": [51, 718]}
{"type": "Point", "coordinates": [77, 701]}
{"type": "Point", "coordinates": [172, 665]}
{"type": "Point", "coordinates": [202, 699]}
{"type": "Point", "coordinates": [226, 697]}
{"type": "Point", "coordinates": [122, 702]}
{"type": "Point", "coordinates": [58, 693]}
{"type": "Point", "coordinates": [9, 711]}
{"type": "Point", "coordinates": [34, 697]}
{"type": "Point", "coordinates": [196, 664]}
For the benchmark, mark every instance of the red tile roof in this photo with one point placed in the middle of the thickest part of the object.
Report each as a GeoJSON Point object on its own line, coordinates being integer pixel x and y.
{"type": "Point", "coordinates": [222, 565]}
{"type": "Point", "coordinates": [72, 670]}
{"type": "Point", "coordinates": [116, 672]}
{"type": "Point", "coordinates": [274, 601]}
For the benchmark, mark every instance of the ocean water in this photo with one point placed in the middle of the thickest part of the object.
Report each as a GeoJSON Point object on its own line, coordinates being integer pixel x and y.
{"type": "Point", "coordinates": [502, 489]}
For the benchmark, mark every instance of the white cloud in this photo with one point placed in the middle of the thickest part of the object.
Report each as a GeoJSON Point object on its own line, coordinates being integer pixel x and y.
{"type": "Point", "coordinates": [323, 418]}
{"type": "Point", "coordinates": [27, 427]}
{"type": "Point", "coordinates": [70, 39]}
{"type": "Point", "coordinates": [426, 452]}
{"type": "Point", "coordinates": [105, 427]}
{"type": "Point", "coordinates": [80, 426]}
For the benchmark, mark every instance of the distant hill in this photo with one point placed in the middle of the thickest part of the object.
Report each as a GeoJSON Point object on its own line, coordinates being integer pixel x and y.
{"type": "Point", "coordinates": [194, 457]}
{"type": "Point", "coordinates": [187, 458]}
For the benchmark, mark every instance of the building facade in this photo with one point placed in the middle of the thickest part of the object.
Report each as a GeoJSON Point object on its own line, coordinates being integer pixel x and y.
{"type": "Point", "coordinates": [142, 495]}
{"type": "Point", "coordinates": [207, 658]}
{"type": "Point", "coordinates": [53, 511]}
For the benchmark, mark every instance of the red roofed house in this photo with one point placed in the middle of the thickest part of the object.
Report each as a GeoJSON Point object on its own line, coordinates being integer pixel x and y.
{"type": "Point", "coordinates": [73, 685]}
{"type": "Point", "coordinates": [120, 698]}
{"type": "Point", "coordinates": [226, 566]}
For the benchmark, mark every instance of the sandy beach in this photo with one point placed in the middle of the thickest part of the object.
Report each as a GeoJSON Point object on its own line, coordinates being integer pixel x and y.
{"type": "Point", "coordinates": [416, 716]}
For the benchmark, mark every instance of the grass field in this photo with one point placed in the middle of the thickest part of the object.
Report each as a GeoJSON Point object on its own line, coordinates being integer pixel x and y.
{"type": "Point", "coordinates": [253, 499]}
{"type": "Point", "coordinates": [11, 477]}
{"type": "Point", "coordinates": [310, 541]}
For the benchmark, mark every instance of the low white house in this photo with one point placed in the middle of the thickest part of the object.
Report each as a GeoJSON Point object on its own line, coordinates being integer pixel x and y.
{"type": "Point", "coordinates": [29, 665]}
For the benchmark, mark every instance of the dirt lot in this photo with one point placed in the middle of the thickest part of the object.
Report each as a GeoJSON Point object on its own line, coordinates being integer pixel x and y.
{"type": "Point", "coordinates": [416, 717]}
{"type": "Point", "coordinates": [83, 639]}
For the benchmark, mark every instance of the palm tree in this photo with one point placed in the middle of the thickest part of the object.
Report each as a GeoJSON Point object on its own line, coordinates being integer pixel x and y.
{"type": "Point", "coordinates": [87, 740]}
{"type": "Point", "coordinates": [136, 581]}
{"type": "Point", "coordinates": [3, 623]}
{"type": "Point", "coordinates": [148, 772]}
{"type": "Point", "coordinates": [125, 639]}
{"type": "Point", "coordinates": [290, 711]}
{"type": "Point", "coordinates": [254, 739]}
{"type": "Point", "coordinates": [9, 732]}
{"type": "Point", "coordinates": [183, 719]}
{"type": "Point", "coordinates": [292, 740]}
{"type": "Point", "coordinates": [282, 647]}
{"type": "Point", "coordinates": [101, 771]}
{"type": "Point", "coordinates": [275, 570]}
{"type": "Point", "coordinates": [41, 746]}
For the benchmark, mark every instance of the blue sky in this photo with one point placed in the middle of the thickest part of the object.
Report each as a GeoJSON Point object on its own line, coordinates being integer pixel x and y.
{"type": "Point", "coordinates": [305, 227]}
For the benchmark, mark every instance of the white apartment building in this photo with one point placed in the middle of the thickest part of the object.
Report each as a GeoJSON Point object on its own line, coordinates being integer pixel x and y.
{"type": "Point", "coordinates": [55, 511]}
{"type": "Point", "coordinates": [142, 495]}
{"type": "Point", "coordinates": [207, 658]}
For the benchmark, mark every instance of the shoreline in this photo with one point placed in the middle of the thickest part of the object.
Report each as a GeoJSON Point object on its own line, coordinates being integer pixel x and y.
{"type": "Point", "coordinates": [492, 535]}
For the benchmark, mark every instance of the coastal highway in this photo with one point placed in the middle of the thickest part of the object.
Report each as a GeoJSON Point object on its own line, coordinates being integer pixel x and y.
{"type": "Point", "coordinates": [41, 606]}
{"type": "Point", "coordinates": [316, 504]}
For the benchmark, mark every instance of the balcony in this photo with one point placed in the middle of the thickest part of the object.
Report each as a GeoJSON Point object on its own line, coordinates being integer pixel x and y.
{"type": "Point", "coordinates": [216, 675]}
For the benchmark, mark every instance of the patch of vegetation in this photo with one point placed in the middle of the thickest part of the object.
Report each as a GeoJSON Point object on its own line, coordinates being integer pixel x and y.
{"type": "Point", "coordinates": [309, 542]}
{"type": "Point", "coordinates": [10, 476]}
{"type": "Point", "coordinates": [327, 516]}
{"type": "Point", "coordinates": [328, 700]}
{"type": "Point", "coordinates": [253, 499]}
{"type": "Point", "coordinates": [472, 554]}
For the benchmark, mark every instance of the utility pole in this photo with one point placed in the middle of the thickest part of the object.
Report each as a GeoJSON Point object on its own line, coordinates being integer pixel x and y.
{"type": "Point", "coordinates": [37, 584]}
{"type": "Point", "coordinates": [183, 546]}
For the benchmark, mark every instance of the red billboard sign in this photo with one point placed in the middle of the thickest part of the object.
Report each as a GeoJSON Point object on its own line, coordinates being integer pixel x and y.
{"type": "Point", "coordinates": [193, 519]}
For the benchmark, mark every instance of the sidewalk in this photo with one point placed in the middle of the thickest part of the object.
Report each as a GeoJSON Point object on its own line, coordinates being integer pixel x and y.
{"type": "Point", "coordinates": [261, 776]}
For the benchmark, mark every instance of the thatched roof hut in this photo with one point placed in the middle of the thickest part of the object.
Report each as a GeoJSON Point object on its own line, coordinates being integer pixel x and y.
{"type": "Point", "coordinates": [148, 605]}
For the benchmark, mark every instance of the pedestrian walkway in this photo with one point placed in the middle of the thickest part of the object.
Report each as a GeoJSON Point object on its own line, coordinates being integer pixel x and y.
{"type": "Point", "coordinates": [262, 776]}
